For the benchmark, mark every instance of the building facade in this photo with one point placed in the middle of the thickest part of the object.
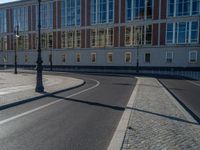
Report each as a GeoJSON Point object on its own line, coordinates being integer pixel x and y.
{"type": "Point", "coordinates": [103, 33]}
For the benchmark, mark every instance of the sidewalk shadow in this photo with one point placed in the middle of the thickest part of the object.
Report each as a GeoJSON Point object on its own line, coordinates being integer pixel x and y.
{"type": "Point", "coordinates": [165, 116]}
{"type": "Point", "coordinates": [43, 95]}
{"type": "Point", "coordinates": [96, 104]}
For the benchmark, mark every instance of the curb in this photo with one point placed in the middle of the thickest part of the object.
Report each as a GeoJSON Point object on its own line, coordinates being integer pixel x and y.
{"type": "Point", "coordinates": [187, 112]}
{"type": "Point", "coordinates": [6, 106]}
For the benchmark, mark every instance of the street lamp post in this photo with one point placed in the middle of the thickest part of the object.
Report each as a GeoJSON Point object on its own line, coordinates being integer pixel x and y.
{"type": "Point", "coordinates": [138, 43]}
{"type": "Point", "coordinates": [39, 82]}
{"type": "Point", "coordinates": [137, 59]}
{"type": "Point", "coordinates": [17, 37]}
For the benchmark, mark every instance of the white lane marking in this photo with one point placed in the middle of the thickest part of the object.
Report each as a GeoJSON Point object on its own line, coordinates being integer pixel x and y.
{"type": "Point", "coordinates": [48, 104]}
{"type": "Point", "coordinates": [193, 83]}
{"type": "Point", "coordinates": [119, 134]}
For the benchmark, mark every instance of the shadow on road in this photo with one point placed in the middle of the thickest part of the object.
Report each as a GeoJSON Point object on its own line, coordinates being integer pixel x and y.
{"type": "Point", "coordinates": [165, 116]}
{"type": "Point", "coordinates": [89, 103]}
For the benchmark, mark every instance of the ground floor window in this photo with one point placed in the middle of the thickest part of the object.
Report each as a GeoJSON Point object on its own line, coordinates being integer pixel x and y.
{"type": "Point", "coordinates": [109, 57]}
{"type": "Point", "coordinates": [147, 58]}
{"type": "Point", "coordinates": [193, 57]}
{"type": "Point", "coordinates": [26, 59]}
{"type": "Point", "coordinates": [78, 57]}
{"type": "Point", "coordinates": [64, 58]}
{"type": "Point", "coordinates": [128, 57]}
{"type": "Point", "coordinates": [169, 57]}
{"type": "Point", "coordinates": [93, 57]}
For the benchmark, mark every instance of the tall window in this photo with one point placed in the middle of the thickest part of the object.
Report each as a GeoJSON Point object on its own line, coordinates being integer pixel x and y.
{"type": "Point", "coordinates": [137, 35]}
{"type": "Point", "coordinates": [71, 39]}
{"type": "Point", "coordinates": [44, 40]}
{"type": "Point", "coordinates": [21, 18]}
{"type": "Point", "coordinates": [195, 7]}
{"type": "Point", "coordinates": [3, 43]}
{"type": "Point", "coordinates": [70, 13]}
{"type": "Point", "coordinates": [101, 37]}
{"type": "Point", "coordinates": [194, 32]}
{"type": "Point", "coordinates": [183, 7]}
{"type": "Point", "coordinates": [102, 11]}
{"type": "Point", "coordinates": [46, 15]}
{"type": "Point", "coordinates": [149, 34]}
{"type": "Point", "coordinates": [138, 9]}
{"type": "Point", "coordinates": [182, 32]}
{"type": "Point", "coordinates": [171, 7]}
{"type": "Point", "coordinates": [110, 37]}
{"type": "Point", "coordinates": [50, 40]}
{"type": "Point", "coordinates": [3, 22]}
{"type": "Point", "coordinates": [26, 42]}
{"type": "Point", "coordinates": [170, 33]}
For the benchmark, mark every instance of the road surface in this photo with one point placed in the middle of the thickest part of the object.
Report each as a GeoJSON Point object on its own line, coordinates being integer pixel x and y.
{"type": "Point", "coordinates": [187, 92]}
{"type": "Point", "coordinates": [84, 118]}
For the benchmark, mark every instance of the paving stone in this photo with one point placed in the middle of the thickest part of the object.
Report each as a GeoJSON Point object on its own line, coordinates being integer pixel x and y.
{"type": "Point", "coordinates": [157, 123]}
{"type": "Point", "coordinates": [15, 88]}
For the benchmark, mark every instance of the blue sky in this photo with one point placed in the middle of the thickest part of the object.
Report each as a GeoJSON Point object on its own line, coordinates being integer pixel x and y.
{"type": "Point", "coordinates": [6, 1]}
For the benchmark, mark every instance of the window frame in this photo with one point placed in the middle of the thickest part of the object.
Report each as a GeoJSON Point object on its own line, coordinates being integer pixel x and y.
{"type": "Point", "coordinates": [108, 58]}
{"type": "Point", "coordinates": [196, 58]}
{"type": "Point", "coordinates": [172, 57]}
{"type": "Point", "coordinates": [145, 57]}
{"type": "Point", "coordinates": [125, 57]}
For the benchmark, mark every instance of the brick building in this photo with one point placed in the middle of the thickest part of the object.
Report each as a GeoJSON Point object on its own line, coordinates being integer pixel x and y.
{"type": "Point", "coordinates": [103, 33]}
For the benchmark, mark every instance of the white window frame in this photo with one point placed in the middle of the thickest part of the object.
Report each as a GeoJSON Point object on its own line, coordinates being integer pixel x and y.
{"type": "Point", "coordinates": [172, 56]}
{"type": "Point", "coordinates": [108, 61]}
{"type": "Point", "coordinates": [145, 57]}
{"type": "Point", "coordinates": [196, 53]}
{"type": "Point", "coordinates": [78, 54]}
{"type": "Point", "coordinates": [129, 53]}
{"type": "Point", "coordinates": [91, 57]}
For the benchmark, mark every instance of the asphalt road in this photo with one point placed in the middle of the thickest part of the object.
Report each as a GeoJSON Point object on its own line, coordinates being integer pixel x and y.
{"type": "Point", "coordinates": [187, 92]}
{"type": "Point", "coordinates": [69, 120]}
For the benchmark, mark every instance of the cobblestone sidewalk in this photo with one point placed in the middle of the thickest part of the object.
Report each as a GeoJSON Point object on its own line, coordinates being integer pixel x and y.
{"type": "Point", "coordinates": [157, 122]}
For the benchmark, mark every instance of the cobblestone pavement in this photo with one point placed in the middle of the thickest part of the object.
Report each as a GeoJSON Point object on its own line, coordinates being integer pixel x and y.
{"type": "Point", "coordinates": [14, 88]}
{"type": "Point", "coordinates": [158, 123]}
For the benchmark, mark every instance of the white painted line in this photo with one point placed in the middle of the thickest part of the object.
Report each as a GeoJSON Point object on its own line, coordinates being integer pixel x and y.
{"type": "Point", "coordinates": [47, 105]}
{"type": "Point", "coordinates": [118, 137]}
{"type": "Point", "coordinates": [194, 83]}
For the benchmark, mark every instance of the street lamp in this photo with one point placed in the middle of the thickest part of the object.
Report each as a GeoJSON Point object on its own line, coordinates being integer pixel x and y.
{"type": "Point", "coordinates": [17, 37]}
{"type": "Point", "coordinates": [39, 82]}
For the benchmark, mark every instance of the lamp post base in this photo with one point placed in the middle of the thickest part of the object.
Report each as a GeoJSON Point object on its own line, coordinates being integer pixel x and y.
{"type": "Point", "coordinates": [39, 82]}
